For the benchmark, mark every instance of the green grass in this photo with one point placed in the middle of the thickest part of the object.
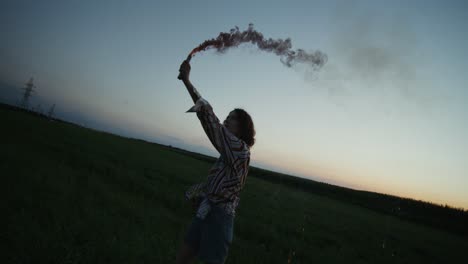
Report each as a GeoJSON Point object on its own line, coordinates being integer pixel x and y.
{"type": "Point", "coordinates": [75, 195]}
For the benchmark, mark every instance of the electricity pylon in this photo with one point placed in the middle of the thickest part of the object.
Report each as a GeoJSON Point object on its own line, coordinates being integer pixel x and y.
{"type": "Point", "coordinates": [28, 90]}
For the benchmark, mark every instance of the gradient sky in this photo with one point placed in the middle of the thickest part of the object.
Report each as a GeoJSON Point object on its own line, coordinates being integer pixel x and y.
{"type": "Point", "coordinates": [387, 113]}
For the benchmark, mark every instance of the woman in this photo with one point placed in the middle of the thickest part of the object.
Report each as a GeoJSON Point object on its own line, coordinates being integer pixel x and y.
{"type": "Point", "coordinates": [211, 231]}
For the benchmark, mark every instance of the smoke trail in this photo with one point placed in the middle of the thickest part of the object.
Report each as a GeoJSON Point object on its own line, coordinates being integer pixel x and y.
{"type": "Point", "coordinates": [280, 47]}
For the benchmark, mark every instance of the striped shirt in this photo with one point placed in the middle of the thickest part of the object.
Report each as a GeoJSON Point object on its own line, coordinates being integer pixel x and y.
{"type": "Point", "coordinates": [228, 174]}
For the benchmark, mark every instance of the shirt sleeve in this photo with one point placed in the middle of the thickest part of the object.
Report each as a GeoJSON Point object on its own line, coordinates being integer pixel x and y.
{"type": "Point", "coordinates": [226, 143]}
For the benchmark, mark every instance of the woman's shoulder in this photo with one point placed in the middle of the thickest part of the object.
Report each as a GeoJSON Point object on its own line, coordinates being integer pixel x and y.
{"type": "Point", "coordinates": [245, 147]}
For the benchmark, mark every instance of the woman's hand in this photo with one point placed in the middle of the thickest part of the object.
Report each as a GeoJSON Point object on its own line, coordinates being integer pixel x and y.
{"type": "Point", "coordinates": [184, 71]}
{"type": "Point", "coordinates": [195, 203]}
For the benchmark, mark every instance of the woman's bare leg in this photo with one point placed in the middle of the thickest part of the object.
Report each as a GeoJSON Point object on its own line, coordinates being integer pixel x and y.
{"type": "Point", "coordinates": [186, 254]}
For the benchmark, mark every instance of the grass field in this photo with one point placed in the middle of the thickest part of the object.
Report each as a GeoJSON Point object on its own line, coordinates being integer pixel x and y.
{"type": "Point", "coordinates": [75, 195]}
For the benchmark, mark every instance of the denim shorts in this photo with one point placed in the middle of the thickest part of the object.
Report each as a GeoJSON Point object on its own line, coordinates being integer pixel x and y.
{"type": "Point", "coordinates": [212, 236]}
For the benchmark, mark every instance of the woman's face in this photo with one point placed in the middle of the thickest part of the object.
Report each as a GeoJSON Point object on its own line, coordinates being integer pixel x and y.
{"type": "Point", "coordinates": [232, 123]}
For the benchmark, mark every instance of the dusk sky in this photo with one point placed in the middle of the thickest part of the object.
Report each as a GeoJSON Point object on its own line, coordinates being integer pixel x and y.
{"type": "Point", "coordinates": [387, 113]}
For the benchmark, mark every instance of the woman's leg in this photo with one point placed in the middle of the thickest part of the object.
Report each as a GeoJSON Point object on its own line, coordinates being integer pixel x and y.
{"type": "Point", "coordinates": [186, 254]}
{"type": "Point", "coordinates": [216, 237]}
{"type": "Point", "coordinates": [190, 246]}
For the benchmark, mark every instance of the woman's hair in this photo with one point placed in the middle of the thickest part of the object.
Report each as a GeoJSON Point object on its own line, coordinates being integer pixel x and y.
{"type": "Point", "coordinates": [247, 129]}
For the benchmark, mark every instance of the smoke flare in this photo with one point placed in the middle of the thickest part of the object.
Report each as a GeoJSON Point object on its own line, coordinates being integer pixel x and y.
{"type": "Point", "coordinates": [280, 47]}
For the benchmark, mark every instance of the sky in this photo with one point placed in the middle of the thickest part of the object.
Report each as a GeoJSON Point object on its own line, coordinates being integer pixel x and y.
{"type": "Point", "coordinates": [387, 113]}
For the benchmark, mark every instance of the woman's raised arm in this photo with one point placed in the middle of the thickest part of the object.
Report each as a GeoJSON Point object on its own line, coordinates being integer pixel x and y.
{"type": "Point", "coordinates": [184, 73]}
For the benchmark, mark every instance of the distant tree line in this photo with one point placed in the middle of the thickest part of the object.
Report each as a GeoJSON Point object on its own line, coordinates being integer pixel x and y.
{"type": "Point", "coordinates": [443, 217]}
{"type": "Point", "coordinates": [440, 216]}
